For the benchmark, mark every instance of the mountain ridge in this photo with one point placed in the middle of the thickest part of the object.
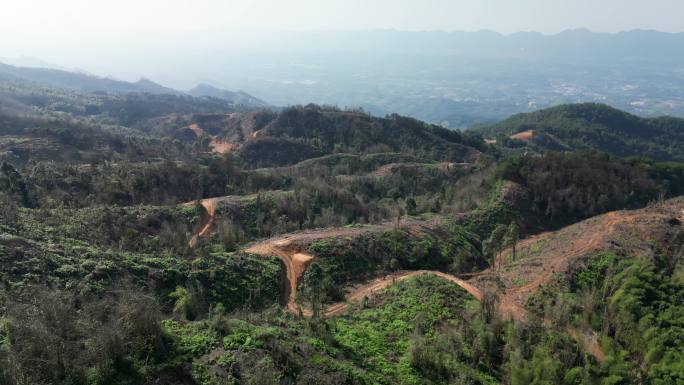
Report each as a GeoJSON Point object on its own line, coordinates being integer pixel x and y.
{"type": "Point", "coordinates": [85, 82]}
{"type": "Point", "coordinates": [591, 126]}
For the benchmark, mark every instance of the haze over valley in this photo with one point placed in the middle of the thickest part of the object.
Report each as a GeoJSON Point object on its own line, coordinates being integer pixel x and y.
{"type": "Point", "coordinates": [456, 79]}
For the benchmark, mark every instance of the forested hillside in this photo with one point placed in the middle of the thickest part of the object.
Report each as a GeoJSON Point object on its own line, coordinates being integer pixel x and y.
{"type": "Point", "coordinates": [591, 126]}
{"type": "Point", "coordinates": [172, 239]}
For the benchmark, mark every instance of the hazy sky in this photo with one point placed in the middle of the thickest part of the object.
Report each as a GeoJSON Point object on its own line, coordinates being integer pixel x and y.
{"type": "Point", "coordinates": [76, 32]}
{"type": "Point", "coordinates": [66, 20]}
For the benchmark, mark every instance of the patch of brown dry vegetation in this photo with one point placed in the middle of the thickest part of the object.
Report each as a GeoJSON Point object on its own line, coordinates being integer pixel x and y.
{"type": "Point", "coordinates": [525, 136]}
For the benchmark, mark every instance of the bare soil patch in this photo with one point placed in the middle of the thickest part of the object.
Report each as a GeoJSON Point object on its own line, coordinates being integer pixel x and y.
{"type": "Point", "coordinates": [525, 136]}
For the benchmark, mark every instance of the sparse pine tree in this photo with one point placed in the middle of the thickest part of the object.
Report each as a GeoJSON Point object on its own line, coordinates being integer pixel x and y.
{"type": "Point", "coordinates": [512, 237]}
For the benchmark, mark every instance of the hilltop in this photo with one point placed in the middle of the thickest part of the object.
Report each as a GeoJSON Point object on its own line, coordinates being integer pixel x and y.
{"type": "Point", "coordinates": [591, 126]}
{"type": "Point", "coordinates": [299, 133]}
{"type": "Point", "coordinates": [267, 138]}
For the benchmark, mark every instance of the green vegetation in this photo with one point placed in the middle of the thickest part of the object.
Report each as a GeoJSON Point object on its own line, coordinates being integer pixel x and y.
{"type": "Point", "coordinates": [359, 259]}
{"type": "Point", "coordinates": [635, 306]}
{"type": "Point", "coordinates": [330, 130]}
{"type": "Point", "coordinates": [594, 127]}
{"type": "Point", "coordinates": [565, 188]}
{"type": "Point", "coordinates": [101, 199]}
{"type": "Point", "coordinates": [421, 331]}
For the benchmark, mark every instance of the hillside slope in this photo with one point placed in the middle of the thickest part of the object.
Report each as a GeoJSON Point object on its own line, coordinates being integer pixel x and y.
{"type": "Point", "coordinates": [83, 82]}
{"type": "Point", "coordinates": [171, 239]}
{"type": "Point", "coordinates": [80, 81]}
{"type": "Point", "coordinates": [592, 126]}
{"type": "Point", "coordinates": [235, 97]}
{"type": "Point", "coordinates": [266, 139]}
{"type": "Point", "coordinates": [645, 233]}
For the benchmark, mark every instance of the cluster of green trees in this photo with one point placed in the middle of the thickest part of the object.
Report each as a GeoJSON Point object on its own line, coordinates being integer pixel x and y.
{"type": "Point", "coordinates": [68, 141]}
{"type": "Point", "coordinates": [635, 307]}
{"type": "Point", "coordinates": [49, 184]}
{"type": "Point", "coordinates": [567, 187]}
{"type": "Point", "coordinates": [420, 331]}
{"type": "Point", "coordinates": [52, 336]}
{"type": "Point", "coordinates": [83, 305]}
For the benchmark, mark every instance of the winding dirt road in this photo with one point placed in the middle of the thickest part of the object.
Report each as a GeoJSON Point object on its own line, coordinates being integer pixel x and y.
{"type": "Point", "coordinates": [539, 259]}
{"type": "Point", "coordinates": [291, 249]}
{"type": "Point", "coordinates": [210, 205]}
{"type": "Point", "coordinates": [379, 284]}
{"type": "Point", "coordinates": [556, 252]}
{"type": "Point", "coordinates": [542, 257]}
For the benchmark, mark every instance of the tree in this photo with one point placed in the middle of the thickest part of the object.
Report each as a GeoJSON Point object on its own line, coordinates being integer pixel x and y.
{"type": "Point", "coordinates": [12, 182]}
{"type": "Point", "coordinates": [411, 206]}
{"type": "Point", "coordinates": [313, 288]}
{"type": "Point", "coordinates": [9, 212]}
{"type": "Point", "coordinates": [512, 237]}
{"type": "Point", "coordinates": [190, 303]}
{"type": "Point", "coordinates": [494, 244]}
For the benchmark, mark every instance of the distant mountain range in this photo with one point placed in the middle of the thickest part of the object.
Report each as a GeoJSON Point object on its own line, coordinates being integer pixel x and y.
{"type": "Point", "coordinates": [456, 79]}
{"type": "Point", "coordinates": [84, 82]}
{"type": "Point", "coordinates": [238, 97]}
{"type": "Point", "coordinates": [452, 78]}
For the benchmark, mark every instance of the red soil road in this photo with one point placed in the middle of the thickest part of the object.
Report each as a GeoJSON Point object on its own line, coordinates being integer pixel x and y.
{"type": "Point", "coordinates": [542, 257]}
{"type": "Point", "coordinates": [554, 257]}
{"type": "Point", "coordinates": [512, 298]}
{"type": "Point", "coordinates": [291, 250]}
{"type": "Point", "coordinates": [218, 146]}
{"type": "Point", "coordinates": [295, 265]}
{"type": "Point", "coordinates": [210, 205]}
{"type": "Point", "coordinates": [558, 250]}
{"type": "Point", "coordinates": [382, 283]}
{"type": "Point", "coordinates": [587, 341]}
